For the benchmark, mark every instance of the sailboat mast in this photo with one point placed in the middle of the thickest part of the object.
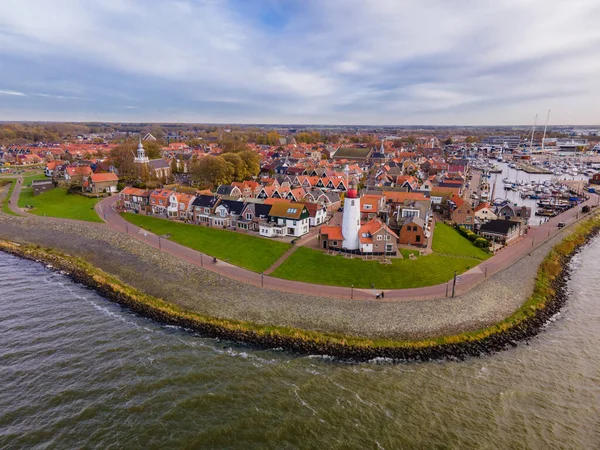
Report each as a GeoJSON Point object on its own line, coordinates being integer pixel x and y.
{"type": "Point", "coordinates": [545, 126]}
{"type": "Point", "coordinates": [532, 133]}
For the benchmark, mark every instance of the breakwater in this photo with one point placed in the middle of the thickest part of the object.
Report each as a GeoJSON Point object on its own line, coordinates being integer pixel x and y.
{"type": "Point", "coordinates": [546, 301]}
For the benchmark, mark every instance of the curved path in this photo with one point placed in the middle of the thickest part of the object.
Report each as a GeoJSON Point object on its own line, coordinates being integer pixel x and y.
{"type": "Point", "coordinates": [183, 282]}
{"type": "Point", "coordinates": [535, 237]}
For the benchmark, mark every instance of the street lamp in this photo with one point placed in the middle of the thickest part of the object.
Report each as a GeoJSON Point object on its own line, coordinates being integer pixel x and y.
{"type": "Point", "coordinates": [201, 261]}
{"type": "Point", "coordinates": [262, 279]}
{"type": "Point", "coordinates": [352, 292]}
{"type": "Point", "coordinates": [454, 284]}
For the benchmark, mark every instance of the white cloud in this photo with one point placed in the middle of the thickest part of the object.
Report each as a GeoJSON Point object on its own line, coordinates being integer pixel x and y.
{"type": "Point", "coordinates": [335, 61]}
{"type": "Point", "coordinates": [14, 93]}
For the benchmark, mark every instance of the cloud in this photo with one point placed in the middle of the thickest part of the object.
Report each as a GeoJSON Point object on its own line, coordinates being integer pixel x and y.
{"type": "Point", "coordinates": [335, 61]}
{"type": "Point", "coordinates": [15, 93]}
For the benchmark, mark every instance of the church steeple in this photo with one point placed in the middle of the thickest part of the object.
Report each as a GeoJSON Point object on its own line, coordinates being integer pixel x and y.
{"type": "Point", "coordinates": [141, 157]}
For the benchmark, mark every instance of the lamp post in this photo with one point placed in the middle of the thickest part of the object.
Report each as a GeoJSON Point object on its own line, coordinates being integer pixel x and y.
{"type": "Point", "coordinates": [352, 292]}
{"type": "Point", "coordinates": [262, 279]}
{"type": "Point", "coordinates": [486, 270]}
{"type": "Point", "coordinates": [454, 284]}
{"type": "Point", "coordinates": [447, 286]}
{"type": "Point", "coordinates": [201, 261]}
{"type": "Point", "coordinates": [126, 227]}
{"type": "Point", "coordinates": [159, 245]}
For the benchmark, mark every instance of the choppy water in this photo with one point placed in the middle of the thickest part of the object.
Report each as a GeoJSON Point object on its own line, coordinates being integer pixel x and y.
{"type": "Point", "coordinates": [79, 372]}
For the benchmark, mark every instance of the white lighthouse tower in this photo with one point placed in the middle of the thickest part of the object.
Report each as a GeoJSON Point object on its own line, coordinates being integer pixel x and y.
{"type": "Point", "coordinates": [351, 219]}
{"type": "Point", "coordinates": [141, 157]}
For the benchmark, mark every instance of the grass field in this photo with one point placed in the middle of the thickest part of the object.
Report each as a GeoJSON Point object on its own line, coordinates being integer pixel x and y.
{"type": "Point", "coordinates": [56, 203]}
{"type": "Point", "coordinates": [448, 240]}
{"type": "Point", "coordinates": [317, 267]}
{"type": "Point", "coordinates": [250, 252]}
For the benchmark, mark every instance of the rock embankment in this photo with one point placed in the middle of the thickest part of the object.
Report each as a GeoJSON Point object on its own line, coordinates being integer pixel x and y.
{"type": "Point", "coordinates": [192, 288]}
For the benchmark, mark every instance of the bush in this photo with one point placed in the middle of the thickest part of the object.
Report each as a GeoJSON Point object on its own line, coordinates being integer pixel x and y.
{"type": "Point", "coordinates": [482, 243]}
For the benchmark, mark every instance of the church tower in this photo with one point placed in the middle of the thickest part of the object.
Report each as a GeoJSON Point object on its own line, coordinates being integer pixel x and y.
{"type": "Point", "coordinates": [140, 157]}
{"type": "Point", "coordinates": [351, 219]}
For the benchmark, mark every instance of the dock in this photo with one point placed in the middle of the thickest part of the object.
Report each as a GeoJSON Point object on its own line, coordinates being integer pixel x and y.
{"type": "Point", "coordinates": [528, 168]}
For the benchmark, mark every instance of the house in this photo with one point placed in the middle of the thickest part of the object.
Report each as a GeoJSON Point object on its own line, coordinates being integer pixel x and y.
{"type": "Point", "coordinates": [500, 230]}
{"type": "Point", "coordinates": [180, 205]}
{"type": "Point", "coordinates": [98, 183]}
{"type": "Point", "coordinates": [159, 201]}
{"type": "Point", "coordinates": [412, 232]}
{"type": "Point", "coordinates": [203, 207]}
{"type": "Point", "coordinates": [50, 167]}
{"type": "Point", "coordinates": [227, 213]}
{"type": "Point", "coordinates": [293, 218]}
{"type": "Point", "coordinates": [253, 215]}
{"type": "Point", "coordinates": [229, 191]}
{"type": "Point", "coordinates": [461, 212]}
{"type": "Point", "coordinates": [134, 199]}
{"type": "Point", "coordinates": [377, 238]}
{"type": "Point", "coordinates": [77, 173]}
{"type": "Point", "coordinates": [484, 212]}
{"type": "Point", "coordinates": [513, 211]}
{"type": "Point", "coordinates": [317, 213]}
{"type": "Point", "coordinates": [370, 205]}
{"type": "Point", "coordinates": [331, 237]}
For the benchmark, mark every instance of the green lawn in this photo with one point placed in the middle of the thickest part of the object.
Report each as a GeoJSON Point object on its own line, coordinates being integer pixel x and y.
{"type": "Point", "coordinates": [250, 252]}
{"type": "Point", "coordinates": [5, 208]}
{"type": "Point", "coordinates": [313, 266]}
{"type": "Point", "coordinates": [448, 240]}
{"type": "Point", "coordinates": [57, 203]}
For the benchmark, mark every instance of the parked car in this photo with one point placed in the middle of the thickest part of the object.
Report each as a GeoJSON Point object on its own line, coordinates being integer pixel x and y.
{"type": "Point", "coordinates": [561, 224]}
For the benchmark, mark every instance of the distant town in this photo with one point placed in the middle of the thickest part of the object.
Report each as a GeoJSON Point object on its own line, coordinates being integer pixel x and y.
{"type": "Point", "coordinates": [370, 193]}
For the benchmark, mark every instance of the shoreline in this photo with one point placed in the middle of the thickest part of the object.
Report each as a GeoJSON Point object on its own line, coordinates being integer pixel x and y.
{"type": "Point", "coordinates": [547, 299]}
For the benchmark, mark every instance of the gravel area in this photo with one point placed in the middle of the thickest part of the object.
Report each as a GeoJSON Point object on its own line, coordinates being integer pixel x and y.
{"type": "Point", "coordinates": [177, 281]}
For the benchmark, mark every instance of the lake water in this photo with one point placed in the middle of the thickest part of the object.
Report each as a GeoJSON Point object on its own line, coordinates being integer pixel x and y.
{"type": "Point", "coordinates": [79, 372]}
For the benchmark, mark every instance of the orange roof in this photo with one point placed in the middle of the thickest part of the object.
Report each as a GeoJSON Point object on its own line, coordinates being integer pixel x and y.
{"type": "Point", "coordinates": [401, 197]}
{"type": "Point", "coordinates": [272, 200]}
{"type": "Point", "coordinates": [332, 232]}
{"type": "Point", "coordinates": [457, 200]}
{"type": "Point", "coordinates": [482, 206]}
{"type": "Point", "coordinates": [134, 191]}
{"type": "Point", "coordinates": [100, 177]}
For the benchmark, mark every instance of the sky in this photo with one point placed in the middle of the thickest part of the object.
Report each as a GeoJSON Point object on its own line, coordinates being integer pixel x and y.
{"type": "Point", "coordinates": [372, 62]}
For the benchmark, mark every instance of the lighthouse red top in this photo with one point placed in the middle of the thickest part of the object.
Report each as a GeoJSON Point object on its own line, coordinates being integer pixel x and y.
{"type": "Point", "coordinates": [352, 190]}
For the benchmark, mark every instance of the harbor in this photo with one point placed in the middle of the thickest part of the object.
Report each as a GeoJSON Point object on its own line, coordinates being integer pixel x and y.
{"type": "Point", "coordinates": [544, 192]}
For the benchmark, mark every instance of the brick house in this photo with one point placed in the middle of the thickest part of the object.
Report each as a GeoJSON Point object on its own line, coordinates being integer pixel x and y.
{"type": "Point", "coordinates": [98, 183]}
{"type": "Point", "coordinates": [412, 232]}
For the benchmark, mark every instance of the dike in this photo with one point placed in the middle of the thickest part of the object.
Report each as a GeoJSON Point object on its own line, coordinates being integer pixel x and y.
{"type": "Point", "coordinates": [547, 299]}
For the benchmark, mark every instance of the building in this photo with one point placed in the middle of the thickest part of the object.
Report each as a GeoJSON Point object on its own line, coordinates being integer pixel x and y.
{"type": "Point", "coordinates": [99, 183]}
{"type": "Point", "coordinates": [351, 219]}
{"type": "Point", "coordinates": [134, 199]}
{"type": "Point", "coordinates": [39, 186]}
{"type": "Point", "coordinates": [501, 231]}
{"type": "Point", "coordinates": [512, 142]}
{"type": "Point", "coordinates": [412, 232]}
{"type": "Point", "coordinates": [292, 218]}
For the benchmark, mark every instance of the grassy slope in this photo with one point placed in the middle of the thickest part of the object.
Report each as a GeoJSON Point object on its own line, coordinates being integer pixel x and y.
{"type": "Point", "coordinates": [448, 240]}
{"type": "Point", "coordinates": [56, 203]}
{"type": "Point", "coordinates": [316, 267]}
{"type": "Point", "coordinates": [5, 208]}
{"type": "Point", "coordinates": [250, 252]}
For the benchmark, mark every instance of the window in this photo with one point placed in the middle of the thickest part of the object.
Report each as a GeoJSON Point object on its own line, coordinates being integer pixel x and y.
{"type": "Point", "coordinates": [388, 237]}
{"type": "Point", "coordinates": [418, 238]}
{"type": "Point", "coordinates": [181, 206]}
{"type": "Point", "coordinates": [334, 243]}
{"type": "Point", "coordinates": [223, 213]}
{"type": "Point", "coordinates": [206, 210]}
{"type": "Point", "coordinates": [389, 248]}
{"type": "Point", "coordinates": [161, 201]}
{"type": "Point", "coordinates": [368, 207]}
{"type": "Point", "coordinates": [292, 210]}
{"type": "Point", "coordinates": [379, 237]}
{"type": "Point", "coordinates": [248, 216]}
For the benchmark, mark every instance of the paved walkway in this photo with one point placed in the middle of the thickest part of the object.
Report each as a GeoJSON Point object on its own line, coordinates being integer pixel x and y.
{"type": "Point", "coordinates": [501, 260]}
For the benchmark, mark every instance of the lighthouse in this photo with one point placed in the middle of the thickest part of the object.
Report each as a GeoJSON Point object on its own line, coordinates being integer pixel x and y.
{"type": "Point", "coordinates": [351, 219]}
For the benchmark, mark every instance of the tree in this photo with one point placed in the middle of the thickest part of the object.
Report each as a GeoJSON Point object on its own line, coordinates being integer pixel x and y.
{"type": "Point", "coordinates": [470, 140]}
{"type": "Point", "coordinates": [448, 141]}
{"type": "Point", "coordinates": [212, 170]}
{"type": "Point", "coordinates": [152, 148]}
{"type": "Point", "coordinates": [240, 172]}
{"type": "Point", "coordinates": [252, 162]}
{"type": "Point", "coordinates": [234, 145]}
{"type": "Point", "coordinates": [122, 156]}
